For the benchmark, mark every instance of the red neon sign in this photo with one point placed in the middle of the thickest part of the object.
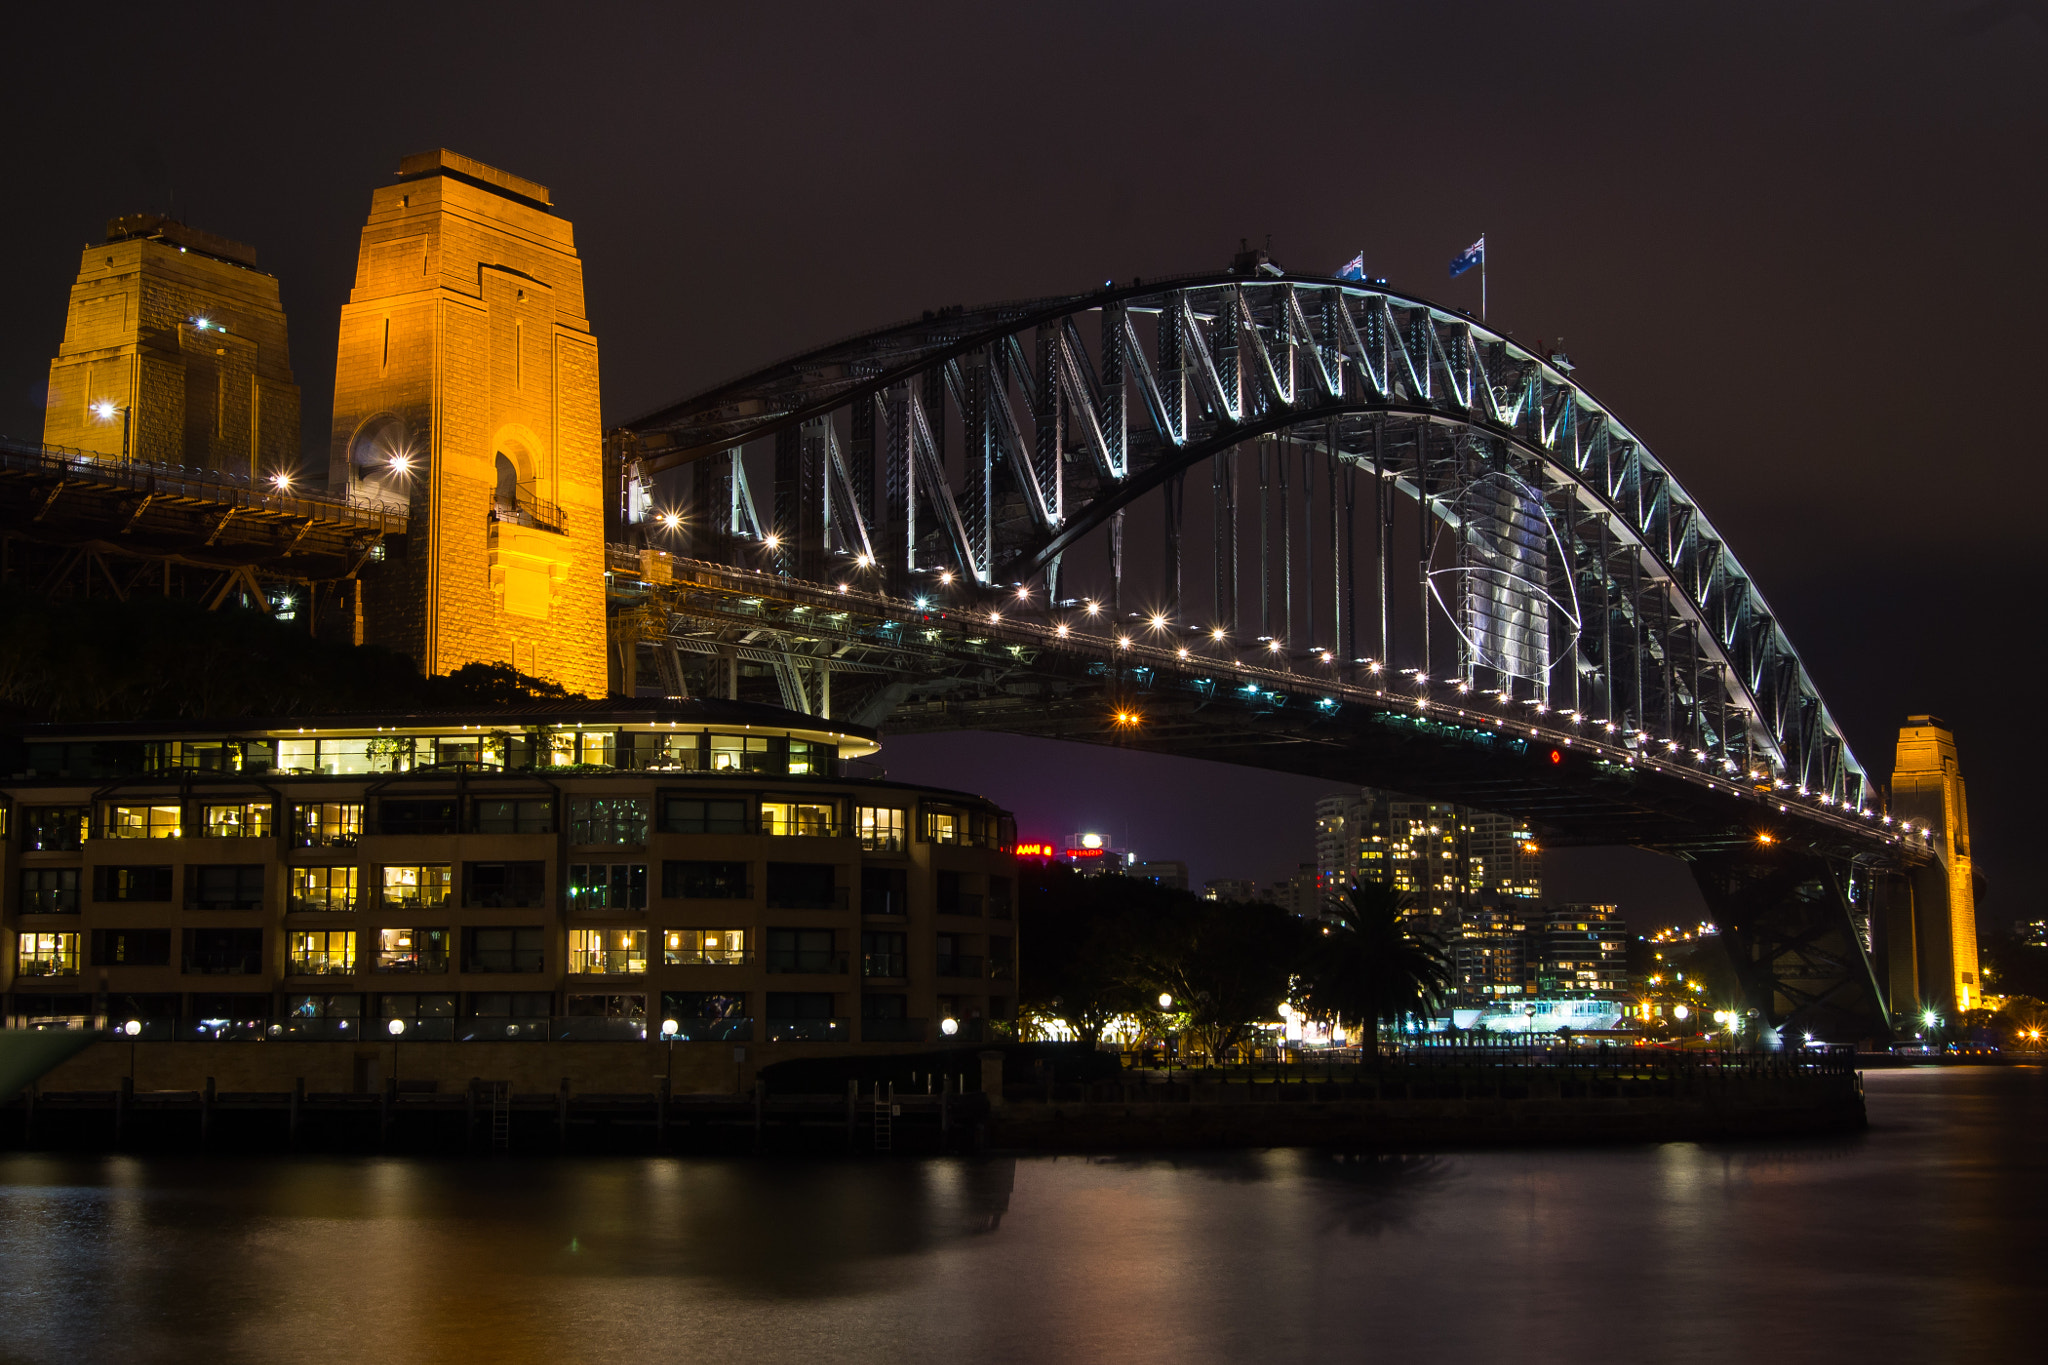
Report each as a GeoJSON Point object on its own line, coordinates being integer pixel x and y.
{"type": "Point", "coordinates": [1034, 850]}
{"type": "Point", "coordinates": [1084, 853]}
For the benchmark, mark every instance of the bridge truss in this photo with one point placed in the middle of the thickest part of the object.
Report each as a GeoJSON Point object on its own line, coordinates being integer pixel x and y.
{"type": "Point", "coordinates": [1432, 562]}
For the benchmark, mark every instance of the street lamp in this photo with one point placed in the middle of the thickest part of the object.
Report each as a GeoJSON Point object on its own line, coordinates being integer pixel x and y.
{"type": "Point", "coordinates": [105, 410]}
{"type": "Point", "coordinates": [949, 1027]}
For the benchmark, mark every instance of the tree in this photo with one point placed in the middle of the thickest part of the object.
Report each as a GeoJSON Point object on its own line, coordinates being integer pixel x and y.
{"type": "Point", "coordinates": [1228, 966]}
{"type": "Point", "coordinates": [1368, 966]}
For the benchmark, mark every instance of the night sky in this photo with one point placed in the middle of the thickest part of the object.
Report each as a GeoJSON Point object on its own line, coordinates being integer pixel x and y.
{"type": "Point", "coordinates": [1795, 247]}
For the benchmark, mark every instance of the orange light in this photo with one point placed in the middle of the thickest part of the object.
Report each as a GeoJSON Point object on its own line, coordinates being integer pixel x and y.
{"type": "Point", "coordinates": [1766, 838]}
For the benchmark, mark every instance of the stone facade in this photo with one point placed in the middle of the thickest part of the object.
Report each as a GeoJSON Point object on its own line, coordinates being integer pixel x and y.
{"type": "Point", "coordinates": [466, 384]}
{"type": "Point", "coordinates": [174, 352]}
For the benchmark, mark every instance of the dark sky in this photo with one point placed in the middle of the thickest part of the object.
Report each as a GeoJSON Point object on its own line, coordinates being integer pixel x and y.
{"type": "Point", "coordinates": [1795, 247]}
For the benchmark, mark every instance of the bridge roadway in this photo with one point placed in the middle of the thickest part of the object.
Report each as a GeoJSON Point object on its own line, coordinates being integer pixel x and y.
{"type": "Point", "coordinates": [71, 520]}
{"type": "Point", "coordinates": [1071, 675]}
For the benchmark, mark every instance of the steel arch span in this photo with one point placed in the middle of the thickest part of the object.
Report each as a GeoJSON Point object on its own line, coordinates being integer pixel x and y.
{"type": "Point", "coordinates": [1406, 513]}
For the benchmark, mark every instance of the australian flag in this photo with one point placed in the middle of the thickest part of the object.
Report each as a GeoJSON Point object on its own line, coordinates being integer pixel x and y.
{"type": "Point", "coordinates": [1353, 269]}
{"type": "Point", "coordinates": [1472, 255]}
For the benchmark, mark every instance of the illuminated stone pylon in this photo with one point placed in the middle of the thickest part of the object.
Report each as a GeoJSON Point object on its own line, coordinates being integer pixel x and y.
{"type": "Point", "coordinates": [174, 352]}
{"type": "Point", "coordinates": [466, 385]}
{"type": "Point", "coordinates": [1927, 789]}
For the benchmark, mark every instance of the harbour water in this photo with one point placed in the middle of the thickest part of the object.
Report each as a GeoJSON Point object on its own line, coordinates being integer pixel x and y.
{"type": "Point", "coordinates": [1925, 1238]}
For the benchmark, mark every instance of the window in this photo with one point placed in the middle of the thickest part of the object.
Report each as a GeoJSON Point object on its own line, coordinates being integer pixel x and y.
{"type": "Point", "coordinates": [802, 886]}
{"type": "Point", "coordinates": [333, 1017]}
{"type": "Point", "coordinates": [217, 1014]}
{"type": "Point", "coordinates": [945, 827]}
{"type": "Point", "coordinates": [705, 1016]}
{"type": "Point", "coordinates": [228, 888]}
{"type": "Point", "coordinates": [742, 753]}
{"type": "Point", "coordinates": [809, 759]}
{"type": "Point", "coordinates": [515, 817]}
{"type": "Point", "coordinates": [687, 815]}
{"type": "Point", "coordinates": [422, 886]}
{"type": "Point", "coordinates": [800, 817]}
{"type": "Point", "coordinates": [884, 953]}
{"type": "Point", "coordinates": [322, 952]}
{"type": "Point", "coordinates": [608, 886]}
{"type": "Point", "coordinates": [880, 828]}
{"type": "Point", "coordinates": [362, 754]}
{"type": "Point", "coordinates": [49, 890]}
{"type": "Point", "coordinates": [427, 1017]}
{"type": "Point", "coordinates": [327, 824]}
{"type": "Point", "coordinates": [416, 817]}
{"type": "Point", "coordinates": [953, 961]}
{"type": "Point", "coordinates": [224, 952]}
{"type": "Point", "coordinates": [504, 886]}
{"type": "Point", "coordinates": [999, 897]}
{"type": "Point", "coordinates": [131, 947]}
{"type": "Point", "coordinates": [323, 888]}
{"type": "Point", "coordinates": [131, 884]}
{"type": "Point", "coordinates": [884, 891]}
{"type": "Point", "coordinates": [155, 1015]}
{"type": "Point", "coordinates": [412, 950]}
{"type": "Point", "coordinates": [607, 952]}
{"type": "Point", "coordinates": [599, 1017]}
{"type": "Point", "coordinates": [243, 820]}
{"type": "Point", "coordinates": [608, 820]}
{"type": "Point", "coordinates": [504, 950]}
{"type": "Point", "coordinates": [1001, 957]}
{"type": "Point", "coordinates": [952, 899]}
{"type": "Point", "coordinates": [53, 829]}
{"type": "Point", "coordinates": [47, 955]}
{"type": "Point", "coordinates": [143, 822]}
{"type": "Point", "coordinates": [884, 1005]}
{"type": "Point", "coordinates": [502, 1015]}
{"type": "Point", "coordinates": [803, 950]}
{"type": "Point", "coordinates": [703, 947]}
{"type": "Point", "coordinates": [658, 753]}
{"type": "Point", "coordinates": [705, 881]}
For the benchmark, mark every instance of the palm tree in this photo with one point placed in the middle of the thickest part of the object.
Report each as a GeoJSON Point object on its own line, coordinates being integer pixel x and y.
{"type": "Point", "coordinates": [1368, 966]}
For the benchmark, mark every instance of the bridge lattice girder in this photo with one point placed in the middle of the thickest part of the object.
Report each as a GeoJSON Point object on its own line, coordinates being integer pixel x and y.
{"type": "Point", "coordinates": [1068, 417]}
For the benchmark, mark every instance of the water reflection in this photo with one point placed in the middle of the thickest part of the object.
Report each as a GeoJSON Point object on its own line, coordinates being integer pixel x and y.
{"type": "Point", "coordinates": [1922, 1236]}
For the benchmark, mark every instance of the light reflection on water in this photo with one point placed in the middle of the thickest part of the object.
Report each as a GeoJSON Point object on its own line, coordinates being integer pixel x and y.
{"type": "Point", "coordinates": [1922, 1239]}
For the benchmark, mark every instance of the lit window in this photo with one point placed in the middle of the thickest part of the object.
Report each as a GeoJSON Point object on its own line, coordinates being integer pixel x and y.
{"type": "Point", "coordinates": [327, 824]}
{"type": "Point", "coordinates": [323, 888]}
{"type": "Point", "coordinates": [880, 828]}
{"type": "Point", "coordinates": [741, 753]}
{"type": "Point", "coordinates": [799, 817]}
{"type": "Point", "coordinates": [417, 885]}
{"type": "Point", "coordinates": [945, 827]}
{"type": "Point", "coordinates": [412, 950]}
{"type": "Point", "coordinates": [323, 952]}
{"type": "Point", "coordinates": [703, 947]}
{"type": "Point", "coordinates": [608, 820]}
{"type": "Point", "coordinates": [607, 952]}
{"type": "Point", "coordinates": [47, 955]}
{"type": "Point", "coordinates": [608, 886]}
{"type": "Point", "coordinates": [249, 820]}
{"type": "Point", "coordinates": [143, 822]}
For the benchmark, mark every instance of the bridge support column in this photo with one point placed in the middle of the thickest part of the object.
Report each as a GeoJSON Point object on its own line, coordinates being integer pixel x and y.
{"type": "Point", "coordinates": [1784, 918]}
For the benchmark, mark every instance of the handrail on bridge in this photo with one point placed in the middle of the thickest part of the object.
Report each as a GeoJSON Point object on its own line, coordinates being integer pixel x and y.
{"type": "Point", "coordinates": [212, 485]}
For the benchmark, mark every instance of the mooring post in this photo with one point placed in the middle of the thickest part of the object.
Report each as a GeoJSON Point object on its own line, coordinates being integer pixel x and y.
{"type": "Point", "coordinates": [123, 1094]}
{"type": "Point", "coordinates": [661, 1112]}
{"type": "Point", "coordinates": [852, 1099]}
{"type": "Point", "coordinates": [206, 1114]}
{"type": "Point", "coordinates": [992, 1076]}
{"type": "Point", "coordinates": [945, 1111]}
{"type": "Point", "coordinates": [298, 1101]}
{"type": "Point", "coordinates": [384, 1103]}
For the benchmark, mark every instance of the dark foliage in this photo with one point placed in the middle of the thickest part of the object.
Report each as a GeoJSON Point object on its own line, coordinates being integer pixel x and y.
{"type": "Point", "coordinates": [155, 658]}
{"type": "Point", "coordinates": [1367, 966]}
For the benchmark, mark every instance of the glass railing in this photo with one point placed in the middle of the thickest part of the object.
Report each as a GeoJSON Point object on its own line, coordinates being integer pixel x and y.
{"type": "Point", "coordinates": [884, 964]}
{"type": "Point", "coordinates": [322, 964]}
{"type": "Point", "coordinates": [998, 909]}
{"type": "Point", "coordinates": [799, 900]}
{"type": "Point", "coordinates": [707, 957]}
{"type": "Point", "coordinates": [331, 1030]}
{"type": "Point", "coordinates": [583, 1029]}
{"type": "Point", "coordinates": [505, 960]}
{"type": "Point", "coordinates": [712, 1031]}
{"type": "Point", "coordinates": [608, 962]}
{"type": "Point", "coordinates": [422, 1030]}
{"type": "Point", "coordinates": [524, 1030]}
{"type": "Point", "coordinates": [411, 960]}
{"type": "Point", "coordinates": [960, 964]}
{"type": "Point", "coordinates": [960, 903]}
{"type": "Point", "coordinates": [808, 1031]}
{"type": "Point", "coordinates": [805, 960]}
{"type": "Point", "coordinates": [894, 1030]}
{"type": "Point", "coordinates": [50, 902]}
{"type": "Point", "coordinates": [884, 903]}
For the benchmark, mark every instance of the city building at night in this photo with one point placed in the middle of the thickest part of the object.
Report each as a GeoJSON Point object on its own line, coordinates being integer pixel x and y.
{"type": "Point", "coordinates": [1230, 889]}
{"type": "Point", "coordinates": [701, 872]}
{"type": "Point", "coordinates": [1444, 856]}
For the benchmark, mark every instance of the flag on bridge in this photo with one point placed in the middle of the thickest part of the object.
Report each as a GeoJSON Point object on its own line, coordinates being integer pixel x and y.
{"type": "Point", "coordinates": [1472, 255]}
{"type": "Point", "coordinates": [1353, 269]}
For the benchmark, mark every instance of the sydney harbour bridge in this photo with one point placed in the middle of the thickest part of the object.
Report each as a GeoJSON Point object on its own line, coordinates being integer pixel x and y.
{"type": "Point", "coordinates": [1305, 524]}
